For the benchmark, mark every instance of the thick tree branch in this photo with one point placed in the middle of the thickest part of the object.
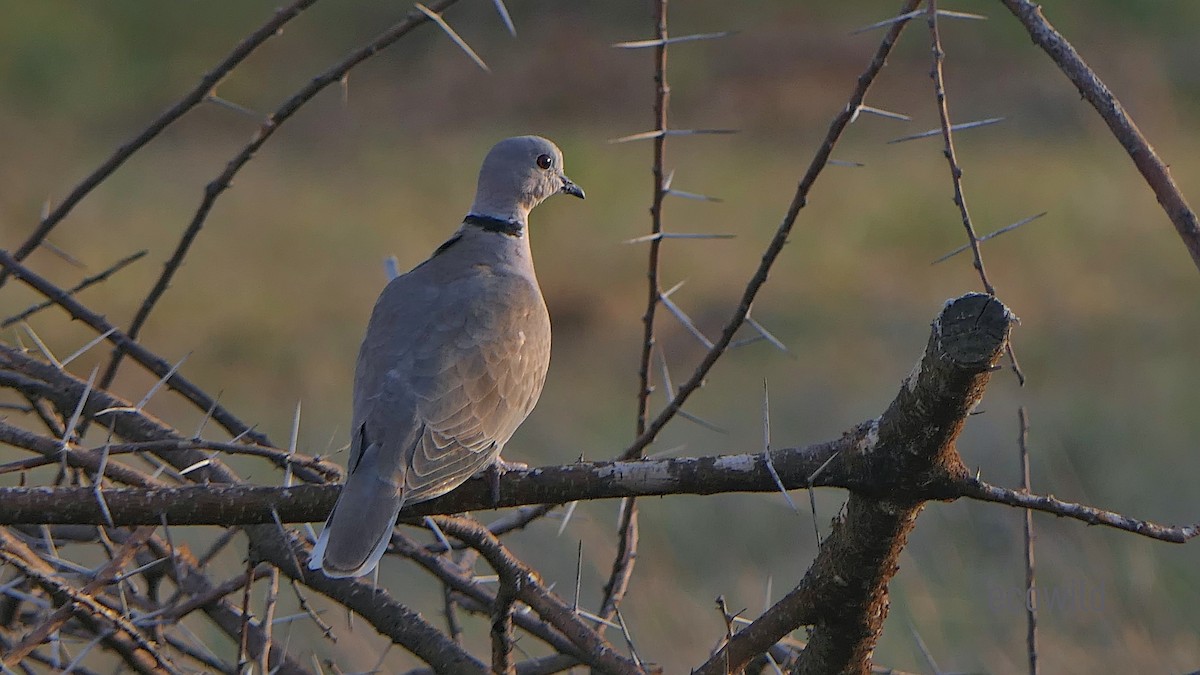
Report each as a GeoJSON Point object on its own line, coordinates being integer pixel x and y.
{"type": "Point", "coordinates": [239, 504]}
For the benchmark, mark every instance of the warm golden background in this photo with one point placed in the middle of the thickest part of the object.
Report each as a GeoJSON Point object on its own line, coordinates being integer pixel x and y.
{"type": "Point", "coordinates": [273, 298]}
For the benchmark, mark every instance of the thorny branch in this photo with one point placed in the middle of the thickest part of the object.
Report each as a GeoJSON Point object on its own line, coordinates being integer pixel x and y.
{"type": "Point", "coordinates": [775, 247]}
{"type": "Point", "coordinates": [704, 475]}
{"type": "Point", "coordinates": [304, 467]}
{"type": "Point", "coordinates": [474, 598]}
{"type": "Point", "coordinates": [960, 199]}
{"type": "Point", "coordinates": [978, 489]}
{"type": "Point", "coordinates": [378, 608]}
{"type": "Point", "coordinates": [627, 529]}
{"type": "Point", "coordinates": [661, 97]}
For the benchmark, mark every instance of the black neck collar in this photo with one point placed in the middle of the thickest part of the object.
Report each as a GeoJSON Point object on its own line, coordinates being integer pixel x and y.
{"type": "Point", "coordinates": [512, 228]}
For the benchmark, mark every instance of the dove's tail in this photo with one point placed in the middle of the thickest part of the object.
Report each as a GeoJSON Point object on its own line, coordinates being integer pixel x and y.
{"type": "Point", "coordinates": [359, 529]}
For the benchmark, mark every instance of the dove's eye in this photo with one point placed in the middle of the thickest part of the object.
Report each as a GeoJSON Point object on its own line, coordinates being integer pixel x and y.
{"type": "Point", "coordinates": [545, 161]}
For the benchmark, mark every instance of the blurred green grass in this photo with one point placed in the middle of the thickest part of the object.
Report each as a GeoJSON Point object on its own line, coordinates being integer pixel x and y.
{"type": "Point", "coordinates": [273, 298]}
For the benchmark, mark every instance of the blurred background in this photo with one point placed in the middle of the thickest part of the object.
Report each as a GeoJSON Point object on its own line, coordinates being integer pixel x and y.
{"type": "Point", "coordinates": [273, 298]}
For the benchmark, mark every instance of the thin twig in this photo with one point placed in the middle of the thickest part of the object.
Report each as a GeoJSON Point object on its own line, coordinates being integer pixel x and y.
{"type": "Point", "coordinates": [472, 597]}
{"type": "Point", "coordinates": [1156, 173]}
{"type": "Point", "coordinates": [243, 659]}
{"type": "Point", "coordinates": [983, 491]}
{"type": "Point", "coordinates": [302, 600]}
{"type": "Point", "coordinates": [52, 453]}
{"type": "Point", "coordinates": [193, 602]}
{"type": "Point", "coordinates": [1030, 580]}
{"type": "Point", "coordinates": [662, 92]}
{"type": "Point", "coordinates": [190, 100]}
{"type": "Point", "coordinates": [960, 201]}
{"type": "Point", "coordinates": [309, 469]}
{"type": "Point", "coordinates": [268, 620]}
{"type": "Point", "coordinates": [84, 283]}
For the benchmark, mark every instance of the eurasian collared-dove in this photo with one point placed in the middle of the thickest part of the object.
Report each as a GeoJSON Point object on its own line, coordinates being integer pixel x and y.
{"type": "Point", "coordinates": [453, 361]}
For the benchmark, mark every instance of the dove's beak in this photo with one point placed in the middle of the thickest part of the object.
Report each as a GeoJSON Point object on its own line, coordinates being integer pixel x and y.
{"type": "Point", "coordinates": [570, 188]}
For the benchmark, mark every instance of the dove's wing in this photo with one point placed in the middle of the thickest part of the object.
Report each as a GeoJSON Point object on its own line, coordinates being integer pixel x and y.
{"type": "Point", "coordinates": [468, 374]}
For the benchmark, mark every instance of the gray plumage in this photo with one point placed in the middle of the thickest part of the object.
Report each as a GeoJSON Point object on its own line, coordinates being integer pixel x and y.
{"type": "Point", "coordinates": [453, 360]}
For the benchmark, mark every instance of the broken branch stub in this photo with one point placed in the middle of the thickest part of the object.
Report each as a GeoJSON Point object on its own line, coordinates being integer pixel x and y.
{"type": "Point", "coordinates": [903, 459]}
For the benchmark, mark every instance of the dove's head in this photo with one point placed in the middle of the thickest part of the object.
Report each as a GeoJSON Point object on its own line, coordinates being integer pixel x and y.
{"type": "Point", "coordinates": [517, 174]}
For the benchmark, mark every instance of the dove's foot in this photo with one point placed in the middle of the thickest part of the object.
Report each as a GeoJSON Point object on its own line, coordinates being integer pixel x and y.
{"type": "Point", "coordinates": [495, 470]}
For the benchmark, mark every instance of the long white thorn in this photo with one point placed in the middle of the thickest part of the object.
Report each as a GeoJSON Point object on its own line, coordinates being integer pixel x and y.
{"type": "Point", "coordinates": [505, 17]}
{"type": "Point", "coordinates": [69, 430]}
{"type": "Point", "coordinates": [462, 44]}
{"type": "Point", "coordinates": [685, 321]}
{"type": "Point", "coordinates": [287, 471]}
{"type": "Point", "coordinates": [92, 343]}
{"type": "Point", "coordinates": [42, 346]}
{"type": "Point", "coordinates": [161, 381]}
{"type": "Point", "coordinates": [954, 127]}
{"type": "Point", "coordinates": [642, 44]}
